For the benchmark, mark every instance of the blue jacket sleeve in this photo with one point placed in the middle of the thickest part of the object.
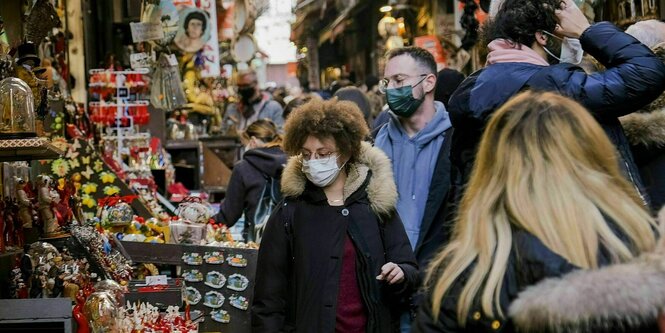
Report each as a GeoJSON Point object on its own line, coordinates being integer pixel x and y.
{"type": "Point", "coordinates": [635, 76]}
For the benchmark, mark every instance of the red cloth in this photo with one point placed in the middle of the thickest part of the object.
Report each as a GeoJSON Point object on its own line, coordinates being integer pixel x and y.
{"type": "Point", "coordinates": [351, 317]}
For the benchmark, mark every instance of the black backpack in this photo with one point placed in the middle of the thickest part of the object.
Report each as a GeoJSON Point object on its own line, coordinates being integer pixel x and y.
{"type": "Point", "coordinates": [270, 196]}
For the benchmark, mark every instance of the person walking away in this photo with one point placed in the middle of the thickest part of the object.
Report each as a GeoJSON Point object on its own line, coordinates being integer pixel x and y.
{"type": "Point", "coordinates": [334, 256]}
{"type": "Point", "coordinates": [263, 159]}
{"type": "Point", "coordinates": [539, 204]}
{"type": "Point", "coordinates": [417, 140]}
{"type": "Point", "coordinates": [536, 45]}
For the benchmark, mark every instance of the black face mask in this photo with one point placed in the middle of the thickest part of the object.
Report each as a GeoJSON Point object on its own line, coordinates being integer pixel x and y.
{"type": "Point", "coordinates": [247, 94]}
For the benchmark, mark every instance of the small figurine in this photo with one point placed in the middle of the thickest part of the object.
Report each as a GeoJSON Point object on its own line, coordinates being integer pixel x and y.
{"type": "Point", "coordinates": [24, 204]}
{"type": "Point", "coordinates": [46, 198]}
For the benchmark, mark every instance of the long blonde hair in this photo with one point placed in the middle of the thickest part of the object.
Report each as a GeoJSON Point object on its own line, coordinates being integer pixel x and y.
{"type": "Point", "coordinates": [544, 166]}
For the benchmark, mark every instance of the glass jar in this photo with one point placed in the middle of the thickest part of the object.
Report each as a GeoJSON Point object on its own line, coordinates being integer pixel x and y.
{"type": "Point", "coordinates": [18, 109]}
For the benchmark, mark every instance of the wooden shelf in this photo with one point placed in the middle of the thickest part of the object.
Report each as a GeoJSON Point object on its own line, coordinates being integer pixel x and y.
{"type": "Point", "coordinates": [28, 149]}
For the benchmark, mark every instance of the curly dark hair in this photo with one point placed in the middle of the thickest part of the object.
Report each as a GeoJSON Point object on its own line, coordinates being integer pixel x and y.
{"type": "Point", "coordinates": [196, 16]}
{"type": "Point", "coordinates": [420, 55]}
{"type": "Point", "coordinates": [341, 121]}
{"type": "Point", "coordinates": [519, 20]}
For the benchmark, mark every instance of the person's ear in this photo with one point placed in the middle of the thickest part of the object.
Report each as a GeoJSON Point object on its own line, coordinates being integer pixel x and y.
{"type": "Point", "coordinates": [541, 38]}
{"type": "Point", "coordinates": [430, 83]}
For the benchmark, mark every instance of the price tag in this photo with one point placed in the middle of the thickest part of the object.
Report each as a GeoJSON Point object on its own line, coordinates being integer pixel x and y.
{"type": "Point", "coordinates": [145, 31]}
{"type": "Point", "coordinates": [157, 280]}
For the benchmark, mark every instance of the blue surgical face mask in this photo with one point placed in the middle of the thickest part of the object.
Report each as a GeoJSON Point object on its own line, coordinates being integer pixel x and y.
{"type": "Point", "coordinates": [401, 100]}
{"type": "Point", "coordinates": [571, 50]}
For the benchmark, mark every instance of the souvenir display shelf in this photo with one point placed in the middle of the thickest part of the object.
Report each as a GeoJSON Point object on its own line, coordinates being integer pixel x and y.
{"type": "Point", "coordinates": [27, 149]}
{"type": "Point", "coordinates": [36, 315]}
{"type": "Point", "coordinates": [173, 254]}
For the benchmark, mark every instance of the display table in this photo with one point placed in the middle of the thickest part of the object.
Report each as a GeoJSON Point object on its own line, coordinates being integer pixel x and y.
{"type": "Point", "coordinates": [36, 315]}
{"type": "Point", "coordinates": [198, 273]}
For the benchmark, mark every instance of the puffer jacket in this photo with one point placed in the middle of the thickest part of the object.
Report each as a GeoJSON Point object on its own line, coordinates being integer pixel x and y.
{"type": "Point", "coordinates": [626, 297]}
{"type": "Point", "coordinates": [646, 132]}
{"type": "Point", "coordinates": [300, 259]}
{"type": "Point", "coordinates": [634, 77]}
{"type": "Point", "coordinates": [542, 292]}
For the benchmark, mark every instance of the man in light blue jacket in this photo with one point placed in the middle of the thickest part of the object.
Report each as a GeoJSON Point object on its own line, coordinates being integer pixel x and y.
{"type": "Point", "coordinates": [416, 139]}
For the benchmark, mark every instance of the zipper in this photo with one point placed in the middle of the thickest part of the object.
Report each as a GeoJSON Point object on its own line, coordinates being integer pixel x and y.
{"type": "Point", "coordinates": [632, 180]}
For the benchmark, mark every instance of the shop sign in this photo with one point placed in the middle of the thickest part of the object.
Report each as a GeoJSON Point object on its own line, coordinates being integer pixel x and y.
{"type": "Point", "coordinates": [145, 31]}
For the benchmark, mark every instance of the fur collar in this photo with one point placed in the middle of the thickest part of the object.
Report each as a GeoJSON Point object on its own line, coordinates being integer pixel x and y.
{"type": "Point", "coordinates": [646, 128]}
{"type": "Point", "coordinates": [630, 295]}
{"type": "Point", "coordinates": [381, 190]}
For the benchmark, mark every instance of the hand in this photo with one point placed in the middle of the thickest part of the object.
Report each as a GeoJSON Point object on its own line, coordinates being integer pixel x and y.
{"type": "Point", "coordinates": [572, 21]}
{"type": "Point", "coordinates": [391, 273]}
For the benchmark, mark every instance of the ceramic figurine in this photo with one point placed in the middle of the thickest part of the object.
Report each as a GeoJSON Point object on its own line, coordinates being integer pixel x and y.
{"type": "Point", "coordinates": [24, 204]}
{"type": "Point", "coordinates": [46, 198]}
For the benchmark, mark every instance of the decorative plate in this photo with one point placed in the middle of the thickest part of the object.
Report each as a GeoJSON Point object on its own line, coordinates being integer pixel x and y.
{"type": "Point", "coordinates": [214, 258]}
{"type": "Point", "coordinates": [193, 276]}
{"type": "Point", "coordinates": [220, 316]}
{"type": "Point", "coordinates": [193, 296]}
{"type": "Point", "coordinates": [237, 282]}
{"type": "Point", "coordinates": [237, 260]}
{"type": "Point", "coordinates": [215, 280]}
{"type": "Point", "coordinates": [193, 259]}
{"type": "Point", "coordinates": [239, 302]}
{"type": "Point", "coordinates": [213, 300]}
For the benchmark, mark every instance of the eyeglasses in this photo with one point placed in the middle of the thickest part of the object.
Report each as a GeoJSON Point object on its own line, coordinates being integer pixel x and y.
{"type": "Point", "coordinates": [323, 157]}
{"type": "Point", "coordinates": [397, 81]}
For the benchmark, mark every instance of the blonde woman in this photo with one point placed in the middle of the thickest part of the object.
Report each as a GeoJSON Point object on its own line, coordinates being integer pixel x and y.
{"type": "Point", "coordinates": [545, 197]}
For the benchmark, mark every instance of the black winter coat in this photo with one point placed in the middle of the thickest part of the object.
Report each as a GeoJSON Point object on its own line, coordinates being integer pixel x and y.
{"type": "Point", "coordinates": [299, 264]}
{"type": "Point", "coordinates": [530, 264]}
{"type": "Point", "coordinates": [634, 77]}
{"type": "Point", "coordinates": [247, 182]}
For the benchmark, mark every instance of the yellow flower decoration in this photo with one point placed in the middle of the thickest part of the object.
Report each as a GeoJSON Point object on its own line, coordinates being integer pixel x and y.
{"type": "Point", "coordinates": [88, 201]}
{"type": "Point", "coordinates": [89, 188]}
{"type": "Point", "coordinates": [61, 184]}
{"type": "Point", "coordinates": [99, 166]}
{"type": "Point", "coordinates": [85, 160]}
{"type": "Point", "coordinates": [111, 190]}
{"type": "Point", "coordinates": [60, 167]}
{"type": "Point", "coordinates": [73, 164]}
{"type": "Point", "coordinates": [107, 177]}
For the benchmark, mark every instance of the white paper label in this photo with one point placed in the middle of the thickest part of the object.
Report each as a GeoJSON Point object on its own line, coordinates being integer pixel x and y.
{"type": "Point", "coordinates": [144, 31]}
{"type": "Point", "coordinates": [140, 60]}
{"type": "Point", "coordinates": [156, 280]}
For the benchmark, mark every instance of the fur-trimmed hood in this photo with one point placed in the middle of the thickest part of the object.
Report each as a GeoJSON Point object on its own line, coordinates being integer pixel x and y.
{"type": "Point", "coordinates": [648, 127]}
{"type": "Point", "coordinates": [381, 189]}
{"type": "Point", "coordinates": [623, 296]}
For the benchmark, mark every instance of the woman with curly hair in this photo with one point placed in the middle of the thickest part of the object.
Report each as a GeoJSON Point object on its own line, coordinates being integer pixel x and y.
{"type": "Point", "coordinates": [334, 256]}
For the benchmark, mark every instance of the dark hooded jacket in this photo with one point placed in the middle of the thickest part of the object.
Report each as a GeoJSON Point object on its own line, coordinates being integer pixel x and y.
{"type": "Point", "coordinates": [646, 132]}
{"type": "Point", "coordinates": [300, 259]}
{"type": "Point", "coordinates": [247, 182]}
{"type": "Point", "coordinates": [634, 77]}
{"type": "Point", "coordinates": [542, 292]}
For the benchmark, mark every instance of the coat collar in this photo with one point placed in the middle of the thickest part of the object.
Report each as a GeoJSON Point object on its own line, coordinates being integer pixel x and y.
{"type": "Point", "coordinates": [647, 128]}
{"type": "Point", "coordinates": [629, 294]}
{"type": "Point", "coordinates": [371, 163]}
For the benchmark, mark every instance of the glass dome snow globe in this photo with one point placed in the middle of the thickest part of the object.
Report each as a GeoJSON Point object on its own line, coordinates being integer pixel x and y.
{"type": "Point", "coordinates": [18, 109]}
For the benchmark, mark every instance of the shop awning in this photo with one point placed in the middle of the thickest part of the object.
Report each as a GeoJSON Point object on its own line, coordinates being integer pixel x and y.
{"type": "Point", "coordinates": [337, 26]}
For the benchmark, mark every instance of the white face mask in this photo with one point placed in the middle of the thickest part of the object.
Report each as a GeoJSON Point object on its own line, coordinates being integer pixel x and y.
{"type": "Point", "coordinates": [321, 172]}
{"type": "Point", "coordinates": [571, 50]}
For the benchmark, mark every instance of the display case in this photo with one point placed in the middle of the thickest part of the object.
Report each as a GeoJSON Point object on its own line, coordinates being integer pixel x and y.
{"type": "Point", "coordinates": [18, 109]}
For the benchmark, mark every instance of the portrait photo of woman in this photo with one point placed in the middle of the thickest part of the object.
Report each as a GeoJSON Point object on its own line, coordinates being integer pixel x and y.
{"type": "Point", "coordinates": [194, 31]}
